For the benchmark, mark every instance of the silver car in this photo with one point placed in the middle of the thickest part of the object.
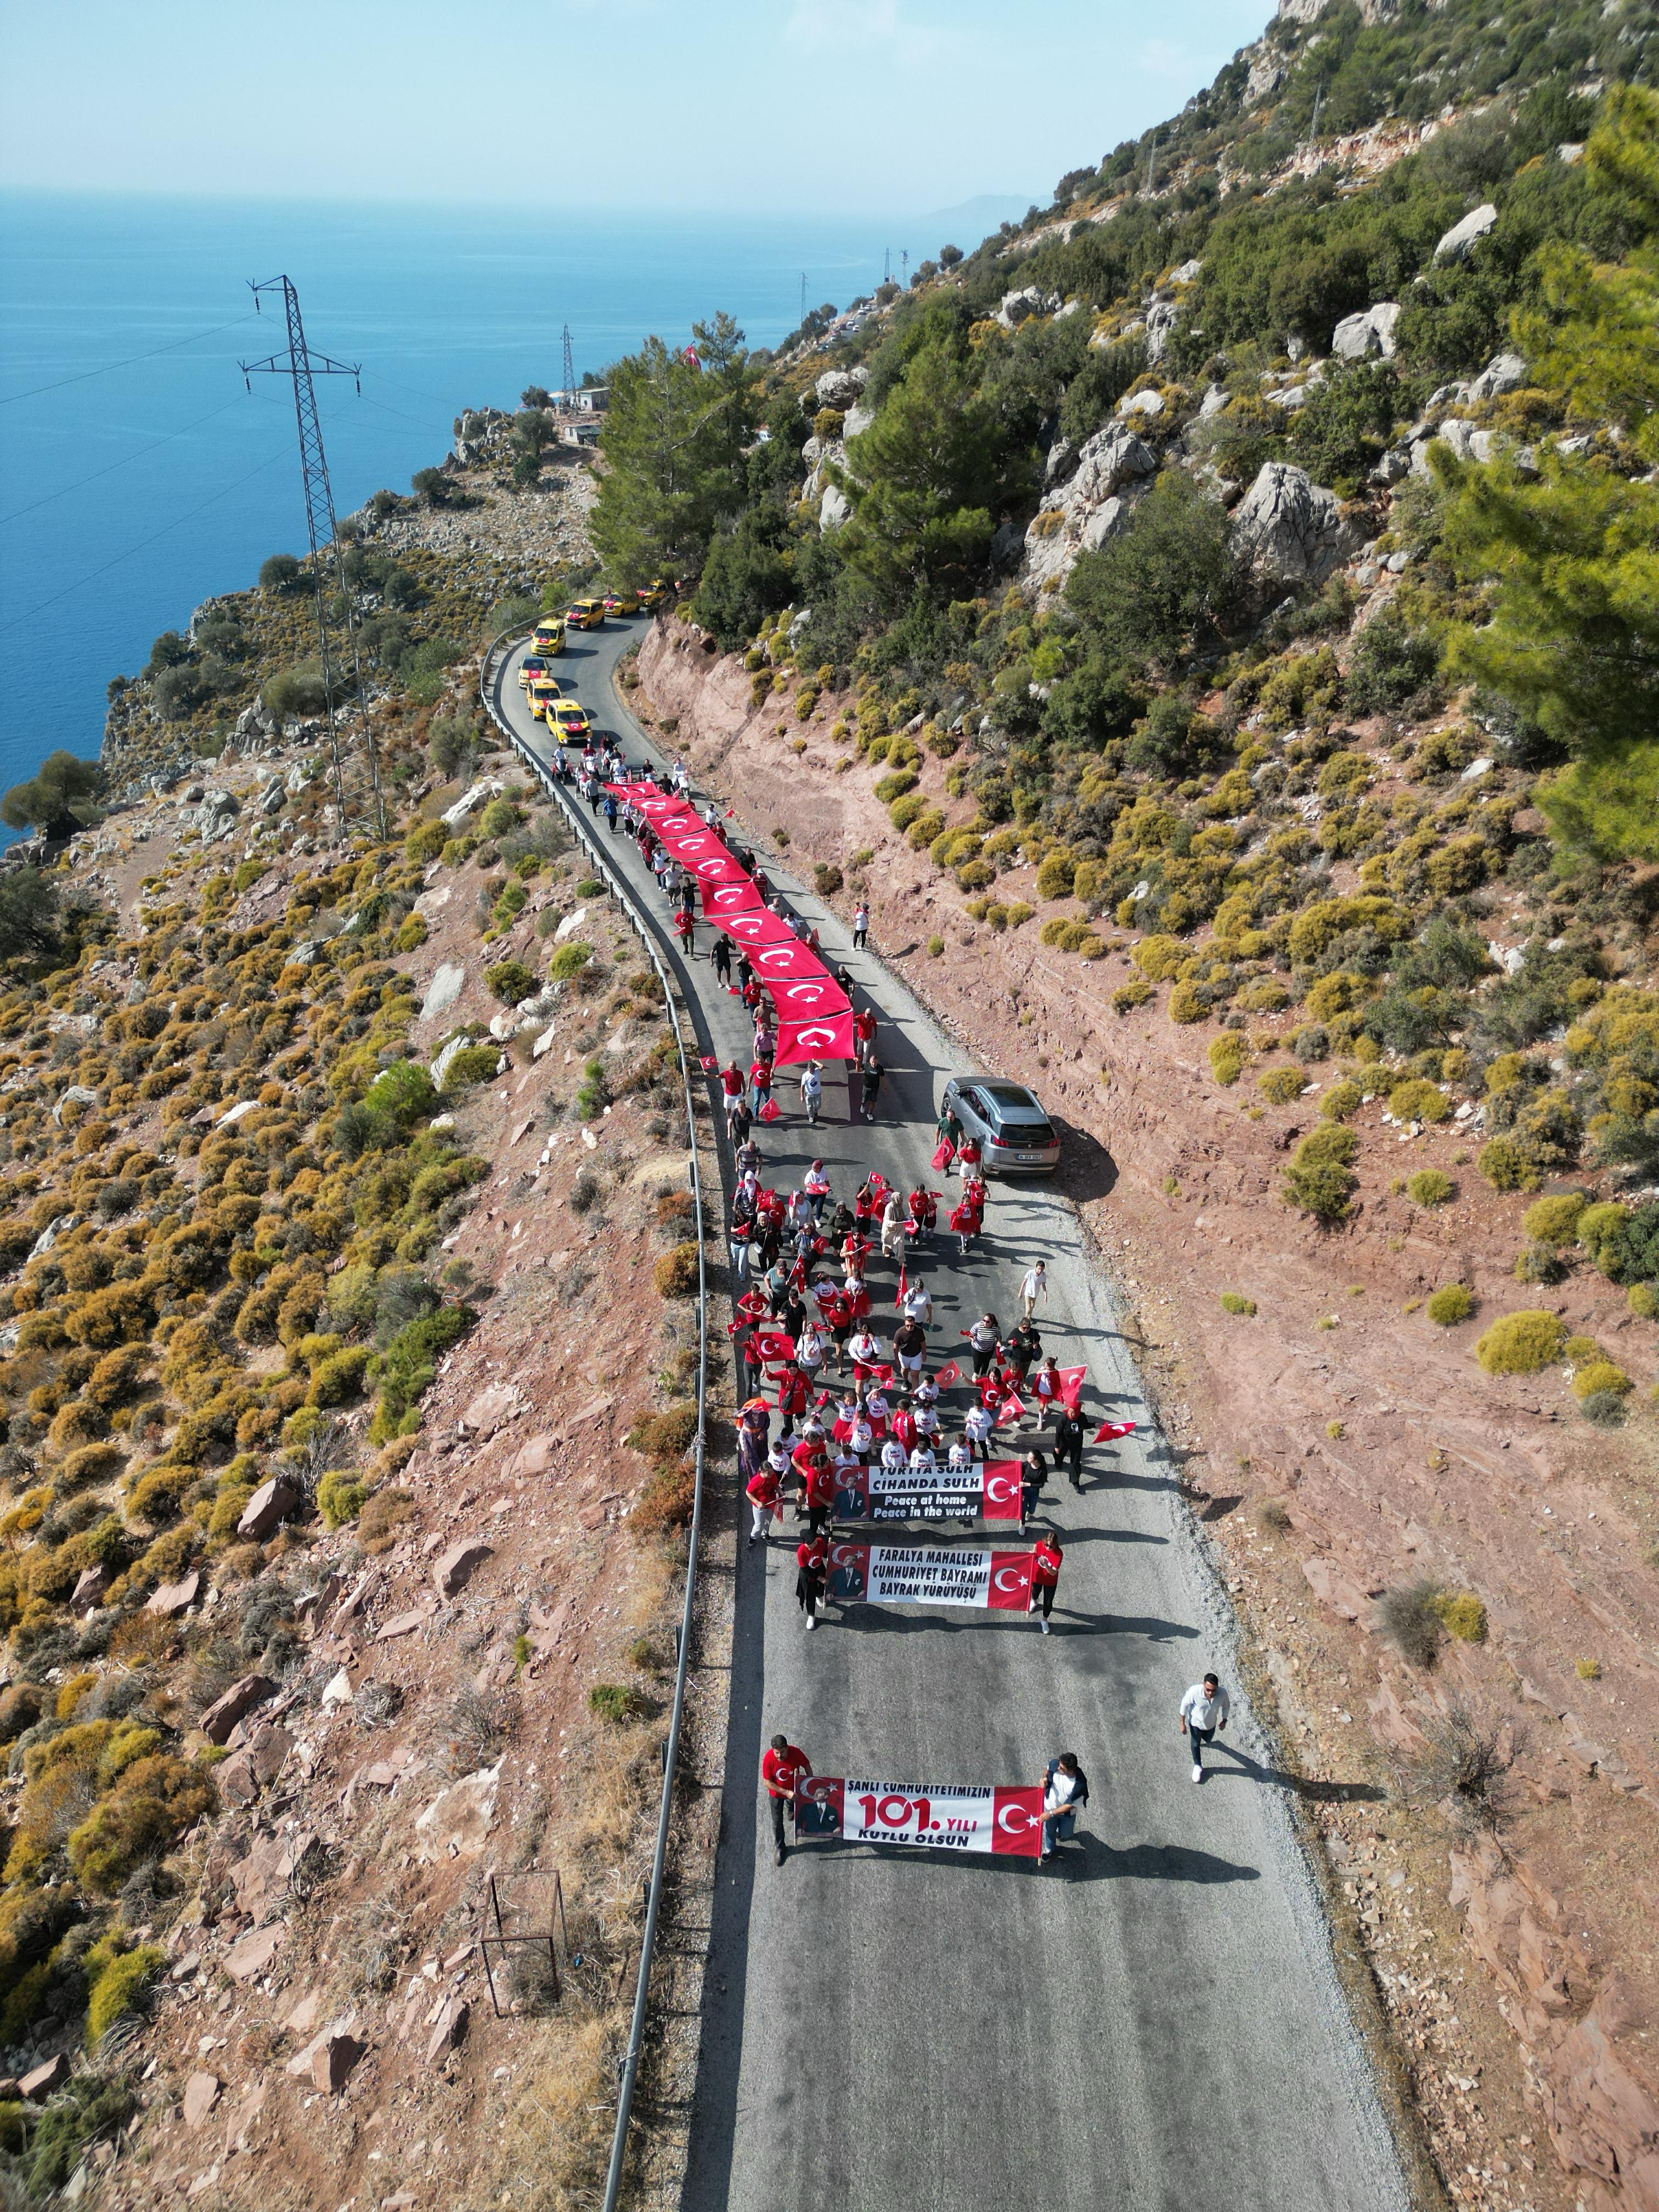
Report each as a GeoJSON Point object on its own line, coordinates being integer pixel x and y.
{"type": "Point", "coordinates": [1014, 1134]}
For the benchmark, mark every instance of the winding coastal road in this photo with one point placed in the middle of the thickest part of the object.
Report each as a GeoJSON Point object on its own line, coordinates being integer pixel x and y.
{"type": "Point", "coordinates": [1153, 2023]}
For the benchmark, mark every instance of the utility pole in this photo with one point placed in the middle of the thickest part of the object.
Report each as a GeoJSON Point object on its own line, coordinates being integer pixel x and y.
{"type": "Point", "coordinates": [803, 295]}
{"type": "Point", "coordinates": [569, 371]}
{"type": "Point", "coordinates": [887, 266]}
{"type": "Point", "coordinates": [299, 364]}
{"type": "Point", "coordinates": [904, 266]}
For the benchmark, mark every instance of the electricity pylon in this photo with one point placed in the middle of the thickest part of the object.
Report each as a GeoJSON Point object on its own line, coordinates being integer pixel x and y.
{"type": "Point", "coordinates": [300, 365]}
{"type": "Point", "coordinates": [569, 371]}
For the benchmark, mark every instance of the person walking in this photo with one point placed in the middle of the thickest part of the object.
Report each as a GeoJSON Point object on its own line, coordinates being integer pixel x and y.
{"type": "Point", "coordinates": [861, 926]}
{"type": "Point", "coordinates": [608, 809]}
{"type": "Point", "coordinates": [1204, 1711]}
{"type": "Point", "coordinates": [811, 1568]}
{"type": "Point", "coordinates": [763, 1488]}
{"type": "Point", "coordinates": [1065, 1793]}
{"type": "Point", "coordinates": [783, 1770]}
{"type": "Point", "coordinates": [811, 1092]}
{"type": "Point", "coordinates": [1034, 1475]}
{"type": "Point", "coordinates": [1069, 1442]}
{"type": "Point", "coordinates": [1046, 1562]}
{"type": "Point", "coordinates": [1032, 1287]}
{"type": "Point", "coordinates": [731, 1089]}
{"type": "Point", "coordinates": [815, 1185]}
{"type": "Point", "coordinates": [983, 1338]}
{"type": "Point", "coordinates": [869, 1078]}
{"type": "Point", "coordinates": [909, 1350]}
{"type": "Point", "coordinates": [721, 956]}
{"type": "Point", "coordinates": [685, 924]}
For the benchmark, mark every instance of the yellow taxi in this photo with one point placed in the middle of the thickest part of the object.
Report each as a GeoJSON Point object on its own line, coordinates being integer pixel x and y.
{"type": "Point", "coordinates": [544, 694]}
{"type": "Point", "coordinates": [585, 614]}
{"type": "Point", "coordinates": [530, 668]}
{"type": "Point", "coordinates": [550, 634]}
{"type": "Point", "coordinates": [654, 594]}
{"type": "Point", "coordinates": [621, 603]}
{"type": "Point", "coordinates": [568, 720]}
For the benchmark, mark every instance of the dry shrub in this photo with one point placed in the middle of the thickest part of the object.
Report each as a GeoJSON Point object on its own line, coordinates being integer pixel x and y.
{"type": "Point", "coordinates": [1408, 1616]}
{"type": "Point", "coordinates": [666, 1502]}
{"type": "Point", "coordinates": [556, 2140]}
{"type": "Point", "coordinates": [1463, 1769]}
{"type": "Point", "coordinates": [471, 1732]}
{"type": "Point", "coordinates": [382, 1516]}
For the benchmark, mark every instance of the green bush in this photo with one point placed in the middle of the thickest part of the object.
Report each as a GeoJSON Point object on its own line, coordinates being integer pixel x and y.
{"type": "Point", "coordinates": [1279, 1084]}
{"type": "Point", "coordinates": [1159, 958]}
{"type": "Point", "coordinates": [341, 1497]}
{"type": "Point", "coordinates": [1234, 1302]}
{"type": "Point", "coordinates": [1644, 1301]}
{"type": "Point", "coordinates": [1600, 1231]}
{"type": "Point", "coordinates": [1320, 1180]}
{"type": "Point", "coordinates": [616, 1702]}
{"type": "Point", "coordinates": [405, 1371]}
{"type": "Point", "coordinates": [904, 812]}
{"type": "Point", "coordinates": [1228, 1053]}
{"type": "Point", "coordinates": [1520, 1343]}
{"type": "Point", "coordinates": [1599, 1376]}
{"type": "Point", "coordinates": [1450, 1305]}
{"type": "Point", "coordinates": [473, 1063]}
{"type": "Point", "coordinates": [1462, 1614]}
{"type": "Point", "coordinates": [1430, 1187]}
{"type": "Point", "coordinates": [1055, 875]}
{"type": "Point", "coordinates": [569, 961]}
{"type": "Point", "coordinates": [512, 981]}
{"type": "Point", "coordinates": [1341, 1102]}
{"type": "Point", "coordinates": [425, 840]}
{"type": "Point", "coordinates": [1419, 1100]}
{"type": "Point", "coordinates": [895, 786]}
{"type": "Point", "coordinates": [1506, 1167]}
{"type": "Point", "coordinates": [1555, 1220]}
{"type": "Point", "coordinates": [338, 1377]}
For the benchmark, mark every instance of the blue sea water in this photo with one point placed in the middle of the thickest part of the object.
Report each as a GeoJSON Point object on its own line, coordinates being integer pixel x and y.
{"type": "Point", "coordinates": [138, 475]}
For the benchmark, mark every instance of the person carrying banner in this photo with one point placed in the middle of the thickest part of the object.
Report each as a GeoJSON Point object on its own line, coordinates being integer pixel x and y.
{"type": "Point", "coordinates": [1034, 1475]}
{"type": "Point", "coordinates": [1065, 1793]}
{"type": "Point", "coordinates": [811, 1568]}
{"type": "Point", "coordinates": [1046, 1561]}
{"type": "Point", "coordinates": [977, 1426]}
{"type": "Point", "coordinates": [783, 1769]}
{"type": "Point", "coordinates": [721, 956]}
{"type": "Point", "coordinates": [685, 923]}
{"type": "Point", "coordinates": [731, 1089]}
{"type": "Point", "coordinates": [1204, 1711]}
{"type": "Point", "coordinates": [811, 1092]}
{"type": "Point", "coordinates": [820, 1492]}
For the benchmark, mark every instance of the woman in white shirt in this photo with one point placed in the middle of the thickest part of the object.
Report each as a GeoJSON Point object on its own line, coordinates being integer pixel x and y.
{"type": "Point", "coordinates": [978, 1427]}
{"type": "Point", "coordinates": [1065, 1792]}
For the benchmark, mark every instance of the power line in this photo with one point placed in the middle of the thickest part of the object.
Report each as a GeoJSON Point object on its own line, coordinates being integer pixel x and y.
{"type": "Point", "coordinates": [34, 390]}
{"type": "Point", "coordinates": [80, 583]}
{"type": "Point", "coordinates": [18, 513]}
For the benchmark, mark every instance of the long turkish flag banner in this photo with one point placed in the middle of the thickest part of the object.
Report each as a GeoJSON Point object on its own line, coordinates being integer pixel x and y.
{"type": "Point", "coordinates": [1007, 1820]}
{"type": "Point", "coordinates": [829, 1039]}
{"type": "Point", "coordinates": [891, 1574]}
{"type": "Point", "coordinates": [901, 1493]}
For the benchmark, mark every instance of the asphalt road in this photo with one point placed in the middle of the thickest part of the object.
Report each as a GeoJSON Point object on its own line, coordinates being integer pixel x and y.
{"type": "Point", "coordinates": [1153, 2023]}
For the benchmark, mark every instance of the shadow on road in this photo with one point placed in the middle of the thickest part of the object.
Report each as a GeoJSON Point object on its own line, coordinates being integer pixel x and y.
{"type": "Point", "coordinates": [1307, 1787]}
{"type": "Point", "coordinates": [1085, 1858]}
{"type": "Point", "coordinates": [1087, 1170]}
{"type": "Point", "coordinates": [875, 1620]}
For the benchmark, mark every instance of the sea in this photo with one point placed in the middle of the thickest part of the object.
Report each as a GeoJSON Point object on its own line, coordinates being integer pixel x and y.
{"type": "Point", "coordinates": [140, 471]}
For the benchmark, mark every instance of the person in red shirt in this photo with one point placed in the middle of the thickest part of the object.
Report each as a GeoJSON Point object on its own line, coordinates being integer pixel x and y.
{"type": "Point", "coordinates": [763, 1488]}
{"type": "Point", "coordinates": [838, 1315]}
{"type": "Point", "coordinates": [783, 1769]}
{"type": "Point", "coordinates": [685, 924]}
{"type": "Point", "coordinates": [820, 1479]}
{"type": "Point", "coordinates": [1046, 1561]}
{"type": "Point", "coordinates": [731, 1087]}
{"type": "Point", "coordinates": [760, 1082]}
{"type": "Point", "coordinates": [792, 1397]}
{"type": "Point", "coordinates": [811, 1566]}
{"type": "Point", "coordinates": [864, 1028]}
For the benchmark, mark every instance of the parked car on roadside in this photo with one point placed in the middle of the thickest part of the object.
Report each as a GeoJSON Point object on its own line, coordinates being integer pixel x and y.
{"type": "Point", "coordinates": [1014, 1134]}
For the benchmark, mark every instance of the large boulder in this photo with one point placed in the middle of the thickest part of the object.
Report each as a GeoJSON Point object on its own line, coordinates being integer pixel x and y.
{"type": "Point", "coordinates": [1091, 505]}
{"type": "Point", "coordinates": [1161, 318]}
{"type": "Point", "coordinates": [1030, 299]}
{"type": "Point", "coordinates": [1369, 335]}
{"type": "Point", "coordinates": [840, 388]}
{"type": "Point", "coordinates": [833, 508]}
{"type": "Point", "coordinates": [1460, 240]}
{"type": "Point", "coordinates": [1289, 530]}
{"type": "Point", "coordinates": [1505, 372]}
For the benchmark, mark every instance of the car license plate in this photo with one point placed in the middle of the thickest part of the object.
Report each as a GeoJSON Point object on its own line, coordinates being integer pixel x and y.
{"type": "Point", "coordinates": [1028, 1159]}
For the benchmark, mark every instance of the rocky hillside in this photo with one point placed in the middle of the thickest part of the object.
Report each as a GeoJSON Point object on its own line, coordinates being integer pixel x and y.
{"type": "Point", "coordinates": [1211, 624]}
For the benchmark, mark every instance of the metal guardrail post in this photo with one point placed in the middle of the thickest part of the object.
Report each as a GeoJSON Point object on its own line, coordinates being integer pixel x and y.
{"type": "Point", "coordinates": [670, 1750]}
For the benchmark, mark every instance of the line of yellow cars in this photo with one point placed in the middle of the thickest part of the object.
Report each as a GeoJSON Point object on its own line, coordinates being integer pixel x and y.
{"type": "Point", "coordinates": [547, 701]}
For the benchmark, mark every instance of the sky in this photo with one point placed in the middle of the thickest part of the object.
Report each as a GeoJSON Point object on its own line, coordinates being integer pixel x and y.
{"type": "Point", "coordinates": [829, 107]}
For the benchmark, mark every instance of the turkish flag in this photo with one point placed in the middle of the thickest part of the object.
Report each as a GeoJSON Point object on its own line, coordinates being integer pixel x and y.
{"type": "Point", "coordinates": [1011, 1581]}
{"type": "Point", "coordinates": [736, 895]}
{"type": "Point", "coordinates": [806, 998]}
{"type": "Point", "coordinates": [1107, 1429]}
{"type": "Point", "coordinates": [903, 1290]}
{"type": "Point", "coordinates": [1070, 1385]}
{"type": "Point", "coordinates": [1017, 1821]}
{"type": "Point", "coordinates": [761, 927]}
{"type": "Point", "coordinates": [829, 1039]}
{"type": "Point", "coordinates": [773, 1343]}
{"type": "Point", "coordinates": [708, 1063]}
{"type": "Point", "coordinates": [948, 1375]}
{"type": "Point", "coordinates": [786, 956]}
{"type": "Point", "coordinates": [1010, 1410]}
{"type": "Point", "coordinates": [770, 1110]}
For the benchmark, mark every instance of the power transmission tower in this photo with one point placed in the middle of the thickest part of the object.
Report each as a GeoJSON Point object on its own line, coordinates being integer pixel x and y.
{"type": "Point", "coordinates": [569, 370]}
{"type": "Point", "coordinates": [887, 266]}
{"type": "Point", "coordinates": [904, 266]}
{"type": "Point", "coordinates": [803, 295]}
{"type": "Point", "coordinates": [300, 365]}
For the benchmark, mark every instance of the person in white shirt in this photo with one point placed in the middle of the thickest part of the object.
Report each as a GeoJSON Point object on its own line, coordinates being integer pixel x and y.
{"type": "Point", "coordinates": [1033, 1284]}
{"type": "Point", "coordinates": [894, 1237]}
{"type": "Point", "coordinates": [1204, 1712]}
{"type": "Point", "coordinates": [919, 1303]}
{"type": "Point", "coordinates": [810, 1351]}
{"type": "Point", "coordinates": [978, 1427]}
{"type": "Point", "coordinates": [1065, 1791]}
{"type": "Point", "coordinates": [811, 1091]}
{"type": "Point", "coordinates": [860, 924]}
{"type": "Point", "coordinates": [960, 1460]}
{"type": "Point", "coordinates": [922, 1461]}
{"type": "Point", "coordinates": [892, 1455]}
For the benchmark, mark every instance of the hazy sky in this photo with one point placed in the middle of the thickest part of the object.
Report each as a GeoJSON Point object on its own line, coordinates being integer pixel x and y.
{"type": "Point", "coordinates": [827, 106]}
